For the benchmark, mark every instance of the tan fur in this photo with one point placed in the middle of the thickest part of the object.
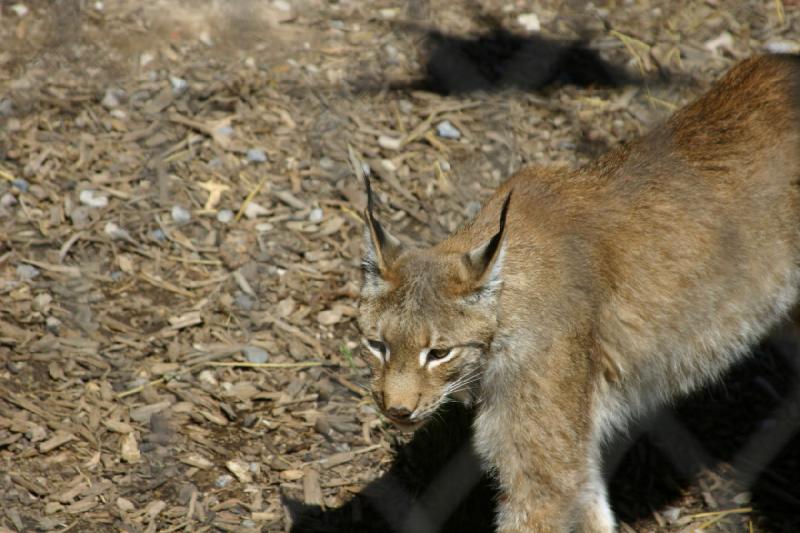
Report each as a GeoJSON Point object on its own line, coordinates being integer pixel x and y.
{"type": "Point", "coordinates": [616, 287]}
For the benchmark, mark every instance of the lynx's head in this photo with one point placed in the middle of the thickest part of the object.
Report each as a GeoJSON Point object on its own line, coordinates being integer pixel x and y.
{"type": "Point", "coordinates": [427, 317]}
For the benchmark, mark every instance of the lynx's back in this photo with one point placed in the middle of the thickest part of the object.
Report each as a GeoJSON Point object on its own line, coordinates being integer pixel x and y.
{"type": "Point", "coordinates": [681, 248]}
{"type": "Point", "coordinates": [578, 298]}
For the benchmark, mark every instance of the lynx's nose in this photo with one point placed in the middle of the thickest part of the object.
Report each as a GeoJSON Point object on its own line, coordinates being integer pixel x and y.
{"type": "Point", "coordinates": [401, 414]}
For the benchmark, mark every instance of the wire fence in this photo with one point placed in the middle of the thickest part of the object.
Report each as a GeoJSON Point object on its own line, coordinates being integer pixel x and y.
{"type": "Point", "coordinates": [730, 451]}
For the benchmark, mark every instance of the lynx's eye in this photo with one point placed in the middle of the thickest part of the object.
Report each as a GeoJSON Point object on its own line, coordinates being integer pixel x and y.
{"type": "Point", "coordinates": [435, 354]}
{"type": "Point", "coordinates": [432, 357]}
{"type": "Point", "coordinates": [377, 348]}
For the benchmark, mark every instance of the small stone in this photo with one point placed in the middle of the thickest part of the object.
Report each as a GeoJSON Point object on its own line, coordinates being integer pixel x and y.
{"type": "Point", "coordinates": [248, 523]}
{"type": "Point", "coordinates": [178, 84]}
{"type": "Point", "coordinates": [225, 216]}
{"type": "Point", "coordinates": [326, 163]}
{"type": "Point", "coordinates": [20, 184]}
{"type": "Point", "coordinates": [80, 217]}
{"type": "Point", "coordinates": [92, 198]}
{"type": "Point", "coordinates": [180, 214]}
{"type": "Point", "coordinates": [447, 131]}
{"type": "Point", "coordinates": [145, 59]}
{"type": "Point", "coordinates": [223, 481]}
{"type": "Point", "coordinates": [158, 235]}
{"type": "Point", "coordinates": [390, 143]}
{"type": "Point", "coordinates": [782, 46]}
{"type": "Point", "coordinates": [671, 514]}
{"type": "Point", "coordinates": [723, 42]}
{"type": "Point", "coordinates": [111, 98]}
{"type": "Point", "coordinates": [472, 208]}
{"type": "Point", "coordinates": [243, 301]}
{"type": "Point", "coordinates": [20, 10]}
{"type": "Point", "coordinates": [254, 354]}
{"type": "Point", "coordinates": [225, 131]}
{"type": "Point", "coordinates": [282, 5]}
{"type": "Point", "coordinates": [256, 155]}
{"type": "Point", "coordinates": [208, 377]}
{"type": "Point", "coordinates": [529, 21]}
{"type": "Point", "coordinates": [315, 215]}
{"type": "Point", "coordinates": [27, 272]}
{"type": "Point", "coordinates": [8, 200]}
{"type": "Point", "coordinates": [52, 324]}
{"type": "Point", "coordinates": [255, 210]}
{"type": "Point", "coordinates": [113, 230]}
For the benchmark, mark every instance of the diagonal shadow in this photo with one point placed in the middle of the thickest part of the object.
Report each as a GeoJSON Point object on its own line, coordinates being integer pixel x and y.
{"type": "Point", "coordinates": [746, 427]}
{"type": "Point", "coordinates": [435, 484]}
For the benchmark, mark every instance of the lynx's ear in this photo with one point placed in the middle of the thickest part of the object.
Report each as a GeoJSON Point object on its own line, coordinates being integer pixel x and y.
{"type": "Point", "coordinates": [381, 248]}
{"type": "Point", "coordinates": [486, 261]}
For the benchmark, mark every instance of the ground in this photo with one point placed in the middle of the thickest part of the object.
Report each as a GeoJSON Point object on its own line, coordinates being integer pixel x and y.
{"type": "Point", "coordinates": [180, 240]}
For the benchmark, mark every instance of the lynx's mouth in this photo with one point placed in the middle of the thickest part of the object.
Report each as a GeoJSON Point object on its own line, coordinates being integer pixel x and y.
{"type": "Point", "coordinates": [405, 425]}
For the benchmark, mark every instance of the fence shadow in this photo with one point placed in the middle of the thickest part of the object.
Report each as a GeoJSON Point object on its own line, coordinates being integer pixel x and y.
{"type": "Point", "coordinates": [745, 429]}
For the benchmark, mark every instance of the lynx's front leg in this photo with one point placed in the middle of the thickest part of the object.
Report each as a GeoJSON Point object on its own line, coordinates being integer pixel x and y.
{"type": "Point", "coordinates": [535, 431]}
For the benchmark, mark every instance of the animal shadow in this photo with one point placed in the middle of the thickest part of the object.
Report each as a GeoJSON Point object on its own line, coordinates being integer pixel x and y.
{"type": "Point", "coordinates": [499, 59]}
{"type": "Point", "coordinates": [744, 430]}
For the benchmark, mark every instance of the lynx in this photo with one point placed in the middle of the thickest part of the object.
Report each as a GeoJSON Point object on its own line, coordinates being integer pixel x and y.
{"type": "Point", "coordinates": [578, 299]}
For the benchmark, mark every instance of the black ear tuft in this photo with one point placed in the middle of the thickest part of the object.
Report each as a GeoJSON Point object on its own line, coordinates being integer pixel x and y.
{"type": "Point", "coordinates": [482, 260]}
{"type": "Point", "coordinates": [381, 248]}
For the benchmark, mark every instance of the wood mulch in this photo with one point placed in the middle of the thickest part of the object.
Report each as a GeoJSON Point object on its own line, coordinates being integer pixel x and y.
{"type": "Point", "coordinates": [180, 240]}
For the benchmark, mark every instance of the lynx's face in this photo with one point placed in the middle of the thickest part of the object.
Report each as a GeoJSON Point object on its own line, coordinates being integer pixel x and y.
{"type": "Point", "coordinates": [424, 336]}
{"type": "Point", "coordinates": [427, 318]}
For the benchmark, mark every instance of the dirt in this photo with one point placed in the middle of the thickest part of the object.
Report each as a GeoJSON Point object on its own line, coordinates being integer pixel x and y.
{"type": "Point", "coordinates": [180, 240]}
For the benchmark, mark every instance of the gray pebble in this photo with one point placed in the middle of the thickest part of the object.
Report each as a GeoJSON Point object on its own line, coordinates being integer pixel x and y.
{"type": "Point", "coordinates": [225, 215]}
{"type": "Point", "coordinates": [27, 272]}
{"type": "Point", "coordinates": [80, 217]}
{"type": "Point", "coordinates": [243, 301]}
{"type": "Point", "coordinates": [447, 130]}
{"type": "Point", "coordinates": [223, 481]}
{"type": "Point", "coordinates": [256, 155]}
{"type": "Point", "coordinates": [20, 184]}
{"type": "Point", "coordinates": [52, 324]}
{"type": "Point", "coordinates": [254, 354]}
{"type": "Point", "coordinates": [8, 200]}
{"type": "Point", "coordinates": [112, 98]}
{"type": "Point", "coordinates": [178, 84]}
{"type": "Point", "coordinates": [180, 215]}
{"type": "Point", "coordinates": [227, 131]}
{"type": "Point", "coordinates": [158, 235]}
{"type": "Point", "coordinates": [472, 208]}
{"type": "Point", "coordinates": [248, 523]}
